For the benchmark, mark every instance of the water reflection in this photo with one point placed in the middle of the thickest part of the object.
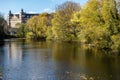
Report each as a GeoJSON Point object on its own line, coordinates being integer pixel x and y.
{"type": "Point", "coordinates": [27, 60]}
{"type": "Point", "coordinates": [91, 62]}
{"type": "Point", "coordinates": [1, 53]}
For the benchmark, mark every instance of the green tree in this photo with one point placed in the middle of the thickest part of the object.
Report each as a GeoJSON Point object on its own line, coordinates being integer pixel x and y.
{"type": "Point", "coordinates": [2, 27]}
{"type": "Point", "coordinates": [62, 27]}
{"type": "Point", "coordinates": [76, 26]}
{"type": "Point", "coordinates": [111, 19]}
{"type": "Point", "coordinates": [22, 30]}
{"type": "Point", "coordinates": [32, 27]}
{"type": "Point", "coordinates": [90, 19]}
{"type": "Point", "coordinates": [110, 15]}
{"type": "Point", "coordinates": [37, 26]}
{"type": "Point", "coordinates": [116, 42]}
{"type": "Point", "coordinates": [49, 33]}
{"type": "Point", "coordinates": [1, 24]}
{"type": "Point", "coordinates": [92, 30]}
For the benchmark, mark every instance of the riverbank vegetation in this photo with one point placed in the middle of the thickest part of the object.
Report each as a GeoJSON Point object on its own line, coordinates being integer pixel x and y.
{"type": "Point", "coordinates": [2, 28]}
{"type": "Point", "coordinates": [95, 24]}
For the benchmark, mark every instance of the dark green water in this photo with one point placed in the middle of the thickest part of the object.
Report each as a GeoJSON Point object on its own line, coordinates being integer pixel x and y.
{"type": "Point", "coordinates": [27, 60]}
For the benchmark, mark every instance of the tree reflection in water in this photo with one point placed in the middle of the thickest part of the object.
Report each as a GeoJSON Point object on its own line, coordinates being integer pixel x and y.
{"type": "Point", "coordinates": [26, 60]}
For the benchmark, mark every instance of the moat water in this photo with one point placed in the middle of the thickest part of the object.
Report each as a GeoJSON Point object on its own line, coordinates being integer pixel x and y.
{"type": "Point", "coordinates": [39, 60]}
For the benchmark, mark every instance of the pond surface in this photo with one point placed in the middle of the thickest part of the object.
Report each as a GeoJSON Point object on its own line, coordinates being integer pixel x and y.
{"type": "Point", "coordinates": [28, 60]}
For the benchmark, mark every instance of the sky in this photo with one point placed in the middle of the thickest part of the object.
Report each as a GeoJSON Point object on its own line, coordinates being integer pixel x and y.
{"type": "Point", "coordinates": [32, 6]}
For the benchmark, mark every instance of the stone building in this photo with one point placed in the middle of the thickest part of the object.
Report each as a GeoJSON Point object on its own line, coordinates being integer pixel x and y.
{"type": "Point", "coordinates": [14, 19]}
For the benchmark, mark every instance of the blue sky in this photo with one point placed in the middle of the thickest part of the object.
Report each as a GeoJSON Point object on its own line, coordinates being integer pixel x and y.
{"type": "Point", "coordinates": [37, 6]}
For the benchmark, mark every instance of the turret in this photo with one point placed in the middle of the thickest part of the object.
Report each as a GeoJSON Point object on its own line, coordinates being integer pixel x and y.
{"type": "Point", "coordinates": [22, 12]}
{"type": "Point", "coordinates": [21, 15]}
{"type": "Point", "coordinates": [10, 12]}
{"type": "Point", "coordinates": [9, 19]}
{"type": "Point", "coordinates": [9, 15]}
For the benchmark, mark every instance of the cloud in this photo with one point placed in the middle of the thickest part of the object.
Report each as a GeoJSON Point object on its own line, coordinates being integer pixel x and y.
{"type": "Point", "coordinates": [16, 12]}
{"type": "Point", "coordinates": [32, 12]}
{"type": "Point", "coordinates": [48, 10]}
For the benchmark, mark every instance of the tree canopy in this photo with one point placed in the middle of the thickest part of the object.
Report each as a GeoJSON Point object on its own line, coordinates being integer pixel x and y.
{"type": "Point", "coordinates": [2, 27]}
{"type": "Point", "coordinates": [96, 24]}
{"type": "Point", "coordinates": [61, 23]}
{"type": "Point", "coordinates": [37, 26]}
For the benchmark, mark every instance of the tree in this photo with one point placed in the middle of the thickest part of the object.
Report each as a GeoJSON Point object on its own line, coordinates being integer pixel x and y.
{"type": "Point", "coordinates": [90, 19]}
{"type": "Point", "coordinates": [32, 27]}
{"type": "Point", "coordinates": [37, 26]}
{"type": "Point", "coordinates": [110, 15]}
{"type": "Point", "coordinates": [62, 26]}
{"type": "Point", "coordinates": [22, 30]}
{"type": "Point", "coordinates": [111, 19]}
{"type": "Point", "coordinates": [93, 31]}
{"type": "Point", "coordinates": [2, 27]}
{"type": "Point", "coordinates": [116, 42]}
{"type": "Point", "coordinates": [1, 24]}
{"type": "Point", "coordinates": [18, 25]}
{"type": "Point", "coordinates": [49, 33]}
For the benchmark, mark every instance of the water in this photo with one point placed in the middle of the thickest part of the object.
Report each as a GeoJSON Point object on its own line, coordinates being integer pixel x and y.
{"type": "Point", "coordinates": [28, 60]}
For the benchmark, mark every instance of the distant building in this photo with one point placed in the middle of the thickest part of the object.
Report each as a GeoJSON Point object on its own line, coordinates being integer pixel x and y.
{"type": "Point", "coordinates": [14, 19]}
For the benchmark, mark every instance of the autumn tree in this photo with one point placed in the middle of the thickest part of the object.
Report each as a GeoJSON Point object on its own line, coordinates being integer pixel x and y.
{"type": "Point", "coordinates": [37, 26]}
{"type": "Point", "coordinates": [22, 30]}
{"type": "Point", "coordinates": [99, 23]}
{"type": "Point", "coordinates": [62, 27]}
{"type": "Point", "coordinates": [91, 24]}
{"type": "Point", "coordinates": [109, 15]}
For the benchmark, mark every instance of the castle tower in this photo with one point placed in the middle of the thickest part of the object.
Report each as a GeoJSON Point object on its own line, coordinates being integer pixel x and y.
{"type": "Point", "coordinates": [9, 20]}
{"type": "Point", "coordinates": [22, 12]}
{"type": "Point", "coordinates": [9, 17]}
{"type": "Point", "coordinates": [21, 15]}
{"type": "Point", "coordinates": [10, 12]}
{"type": "Point", "coordinates": [14, 19]}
